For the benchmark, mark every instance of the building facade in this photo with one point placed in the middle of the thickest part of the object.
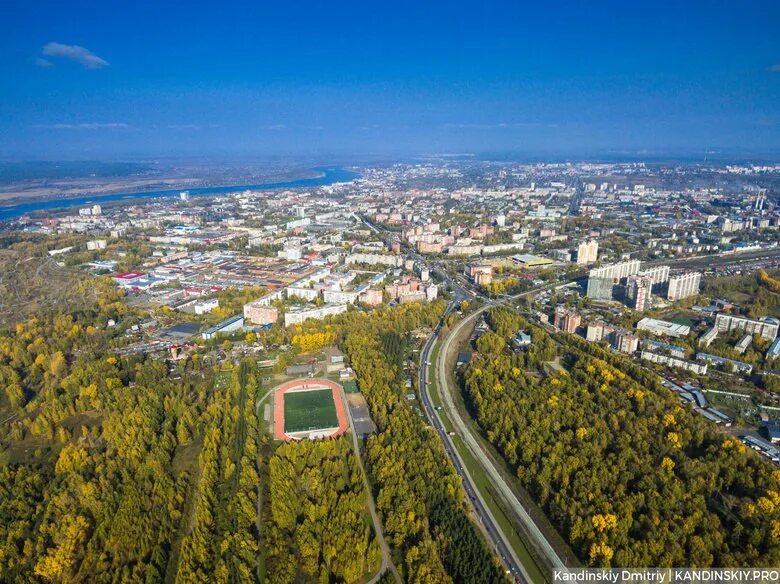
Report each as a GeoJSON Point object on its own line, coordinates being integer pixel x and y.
{"type": "Point", "coordinates": [766, 327]}
{"type": "Point", "coordinates": [587, 252]}
{"type": "Point", "coordinates": [683, 286]}
{"type": "Point", "coordinates": [638, 292]}
{"type": "Point", "coordinates": [566, 320]}
{"type": "Point", "coordinates": [259, 314]}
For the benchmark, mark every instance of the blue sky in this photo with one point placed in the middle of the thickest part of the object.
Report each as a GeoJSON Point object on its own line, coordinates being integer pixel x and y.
{"type": "Point", "coordinates": [92, 80]}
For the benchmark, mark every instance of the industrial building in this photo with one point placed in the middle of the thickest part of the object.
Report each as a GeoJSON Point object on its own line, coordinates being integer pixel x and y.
{"type": "Point", "coordinates": [230, 325]}
{"type": "Point", "coordinates": [531, 261]}
{"type": "Point", "coordinates": [663, 327]}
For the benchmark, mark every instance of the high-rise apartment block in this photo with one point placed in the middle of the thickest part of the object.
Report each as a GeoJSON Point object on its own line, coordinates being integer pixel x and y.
{"type": "Point", "coordinates": [601, 281]}
{"type": "Point", "coordinates": [683, 286]}
{"type": "Point", "coordinates": [638, 292]}
{"type": "Point", "coordinates": [588, 252]}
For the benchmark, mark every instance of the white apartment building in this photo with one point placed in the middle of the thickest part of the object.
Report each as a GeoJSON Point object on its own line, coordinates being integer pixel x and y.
{"type": "Point", "coordinates": [268, 298]}
{"type": "Point", "coordinates": [340, 296]}
{"type": "Point", "coordinates": [299, 314]}
{"type": "Point", "coordinates": [374, 258]}
{"type": "Point", "coordinates": [766, 326]}
{"type": "Point", "coordinates": [309, 294]}
{"type": "Point", "coordinates": [698, 368]}
{"type": "Point", "coordinates": [588, 252]}
{"type": "Point", "coordinates": [616, 271]}
{"type": "Point", "coordinates": [658, 275]}
{"type": "Point", "coordinates": [602, 280]}
{"type": "Point", "coordinates": [683, 286]}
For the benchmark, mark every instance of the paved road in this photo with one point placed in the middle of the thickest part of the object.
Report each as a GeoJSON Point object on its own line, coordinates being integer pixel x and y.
{"type": "Point", "coordinates": [488, 522]}
{"type": "Point", "coordinates": [470, 438]}
{"type": "Point", "coordinates": [497, 538]}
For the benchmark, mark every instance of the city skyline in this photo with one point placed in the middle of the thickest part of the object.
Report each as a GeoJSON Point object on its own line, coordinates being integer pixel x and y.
{"type": "Point", "coordinates": [389, 293]}
{"type": "Point", "coordinates": [86, 81]}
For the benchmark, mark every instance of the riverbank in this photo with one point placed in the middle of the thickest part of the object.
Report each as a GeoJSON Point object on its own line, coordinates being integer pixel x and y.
{"type": "Point", "coordinates": [325, 176]}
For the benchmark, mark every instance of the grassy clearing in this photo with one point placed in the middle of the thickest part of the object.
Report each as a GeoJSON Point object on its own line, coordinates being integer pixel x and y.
{"type": "Point", "coordinates": [309, 410]}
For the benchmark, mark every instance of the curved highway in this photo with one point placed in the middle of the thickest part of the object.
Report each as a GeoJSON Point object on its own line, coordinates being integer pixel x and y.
{"type": "Point", "coordinates": [492, 530]}
{"type": "Point", "coordinates": [469, 434]}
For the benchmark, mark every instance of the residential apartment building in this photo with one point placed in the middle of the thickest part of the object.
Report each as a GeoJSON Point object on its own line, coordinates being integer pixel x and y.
{"type": "Point", "coordinates": [299, 314]}
{"type": "Point", "coordinates": [625, 342]}
{"type": "Point", "coordinates": [766, 326]}
{"type": "Point", "coordinates": [683, 286]}
{"type": "Point", "coordinates": [566, 320]}
{"type": "Point", "coordinates": [587, 252]}
{"type": "Point", "coordinates": [698, 368]}
{"type": "Point", "coordinates": [638, 292]}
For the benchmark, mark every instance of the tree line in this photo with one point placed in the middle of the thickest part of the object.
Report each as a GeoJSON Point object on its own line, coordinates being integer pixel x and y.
{"type": "Point", "coordinates": [417, 490]}
{"type": "Point", "coordinates": [628, 475]}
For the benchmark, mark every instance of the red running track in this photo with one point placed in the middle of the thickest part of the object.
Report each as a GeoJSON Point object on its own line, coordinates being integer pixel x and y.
{"type": "Point", "coordinates": [335, 389]}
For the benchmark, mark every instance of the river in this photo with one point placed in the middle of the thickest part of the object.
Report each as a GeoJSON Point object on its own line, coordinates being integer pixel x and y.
{"type": "Point", "coordinates": [329, 176]}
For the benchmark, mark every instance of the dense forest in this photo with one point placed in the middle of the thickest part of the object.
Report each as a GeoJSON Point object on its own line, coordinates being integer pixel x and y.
{"type": "Point", "coordinates": [98, 438]}
{"type": "Point", "coordinates": [321, 483]}
{"type": "Point", "coordinates": [122, 470]}
{"type": "Point", "coordinates": [136, 469]}
{"type": "Point", "coordinates": [418, 492]}
{"type": "Point", "coordinates": [628, 475]}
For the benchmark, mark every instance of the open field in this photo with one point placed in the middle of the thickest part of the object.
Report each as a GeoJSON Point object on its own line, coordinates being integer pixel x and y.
{"type": "Point", "coordinates": [31, 285]}
{"type": "Point", "coordinates": [309, 410]}
{"type": "Point", "coordinates": [305, 407]}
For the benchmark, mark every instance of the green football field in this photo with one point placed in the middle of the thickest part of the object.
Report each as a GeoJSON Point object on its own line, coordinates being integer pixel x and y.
{"type": "Point", "coordinates": [309, 410]}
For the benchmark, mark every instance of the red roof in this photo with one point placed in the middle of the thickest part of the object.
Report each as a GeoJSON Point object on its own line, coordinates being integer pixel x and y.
{"type": "Point", "coordinates": [129, 275]}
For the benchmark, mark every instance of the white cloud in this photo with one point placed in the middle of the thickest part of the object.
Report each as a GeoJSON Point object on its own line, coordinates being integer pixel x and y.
{"type": "Point", "coordinates": [75, 53]}
{"type": "Point", "coordinates": [274, 127]}
{"type": "Point", "coordinates": [85, 126]}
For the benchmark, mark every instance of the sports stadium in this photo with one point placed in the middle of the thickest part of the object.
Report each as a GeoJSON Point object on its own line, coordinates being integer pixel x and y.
{"type": "Point", "coordinates": [308, 408]}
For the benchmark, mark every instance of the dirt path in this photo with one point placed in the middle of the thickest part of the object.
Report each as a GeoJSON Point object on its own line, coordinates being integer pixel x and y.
{"type": "Point", "coordinates": [387, 558]}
